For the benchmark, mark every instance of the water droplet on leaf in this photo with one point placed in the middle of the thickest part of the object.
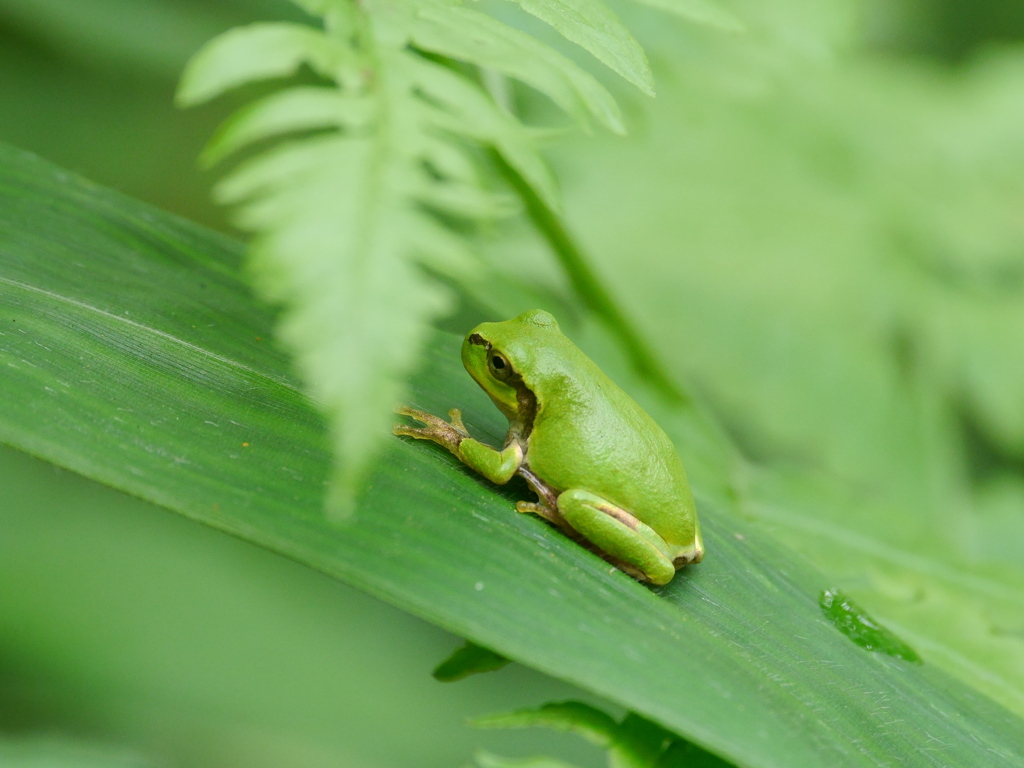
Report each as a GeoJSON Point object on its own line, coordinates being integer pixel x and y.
{"type": "Point", "coordinates": [850, 619]}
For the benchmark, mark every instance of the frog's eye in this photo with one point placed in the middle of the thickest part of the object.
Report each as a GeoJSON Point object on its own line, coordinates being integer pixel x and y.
{"type": "Point", "coordinates": [499, 366]}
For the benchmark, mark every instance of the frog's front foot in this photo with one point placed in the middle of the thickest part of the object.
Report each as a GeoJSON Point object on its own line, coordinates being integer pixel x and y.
{"type": "Point", "coordinates": [435, 429]}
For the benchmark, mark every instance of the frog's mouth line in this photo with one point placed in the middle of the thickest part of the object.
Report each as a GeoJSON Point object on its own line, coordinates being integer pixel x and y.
{"type": "Point", "coordinates": [527, 400]}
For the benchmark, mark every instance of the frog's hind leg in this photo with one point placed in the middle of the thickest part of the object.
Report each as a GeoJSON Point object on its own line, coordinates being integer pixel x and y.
{"type": "Point", "coordinates": [618, 534]}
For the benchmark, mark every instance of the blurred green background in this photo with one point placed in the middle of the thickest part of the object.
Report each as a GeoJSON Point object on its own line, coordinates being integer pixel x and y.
{"type": "Point", "coordinates": [736, 228]}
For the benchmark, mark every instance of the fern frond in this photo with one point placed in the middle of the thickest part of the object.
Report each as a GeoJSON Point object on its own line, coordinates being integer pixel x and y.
{"type": "Point", "coordinates": [384, 178]}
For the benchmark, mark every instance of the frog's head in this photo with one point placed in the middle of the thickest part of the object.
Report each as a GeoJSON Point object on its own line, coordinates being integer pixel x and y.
{"type": "Point", "coordinates": [500, 357]}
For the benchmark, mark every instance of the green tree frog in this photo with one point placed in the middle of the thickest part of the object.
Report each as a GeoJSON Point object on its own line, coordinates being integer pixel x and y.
{"type": "Point", "coordinates": [604, 472]}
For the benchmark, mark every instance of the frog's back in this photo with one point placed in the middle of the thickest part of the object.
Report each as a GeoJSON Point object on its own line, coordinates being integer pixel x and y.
{"type": "Point", "coordinates": [589, 434]}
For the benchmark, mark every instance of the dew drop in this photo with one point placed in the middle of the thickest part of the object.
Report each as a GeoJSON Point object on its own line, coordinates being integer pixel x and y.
{"type": "Point", "coordinates": [850, 619]}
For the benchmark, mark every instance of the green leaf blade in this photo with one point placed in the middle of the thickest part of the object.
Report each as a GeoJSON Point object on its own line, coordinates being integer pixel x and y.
{"type": "Point", "coordinates": [734, 654]}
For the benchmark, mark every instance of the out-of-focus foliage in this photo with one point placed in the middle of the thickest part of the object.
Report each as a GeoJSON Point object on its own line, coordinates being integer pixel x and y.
{"type": "Point", "coordinates": [470, 659]}
{"type": "Point", "coordinates": [832, 251]}
{"type": "Point", "coordinates": [490, 760]}
{"type": "Point", "coordinates": [946, 30]}
{"type": "Point", "coordinates": [61, 753]}
{"type": "Point", "coordinates": [90, 84]}
{"type": "Point", "coordinates": [633, 742]}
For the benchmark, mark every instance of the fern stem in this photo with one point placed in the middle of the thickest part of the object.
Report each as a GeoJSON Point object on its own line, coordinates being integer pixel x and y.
{"type": "Point", "coordinates": [589, 287]}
